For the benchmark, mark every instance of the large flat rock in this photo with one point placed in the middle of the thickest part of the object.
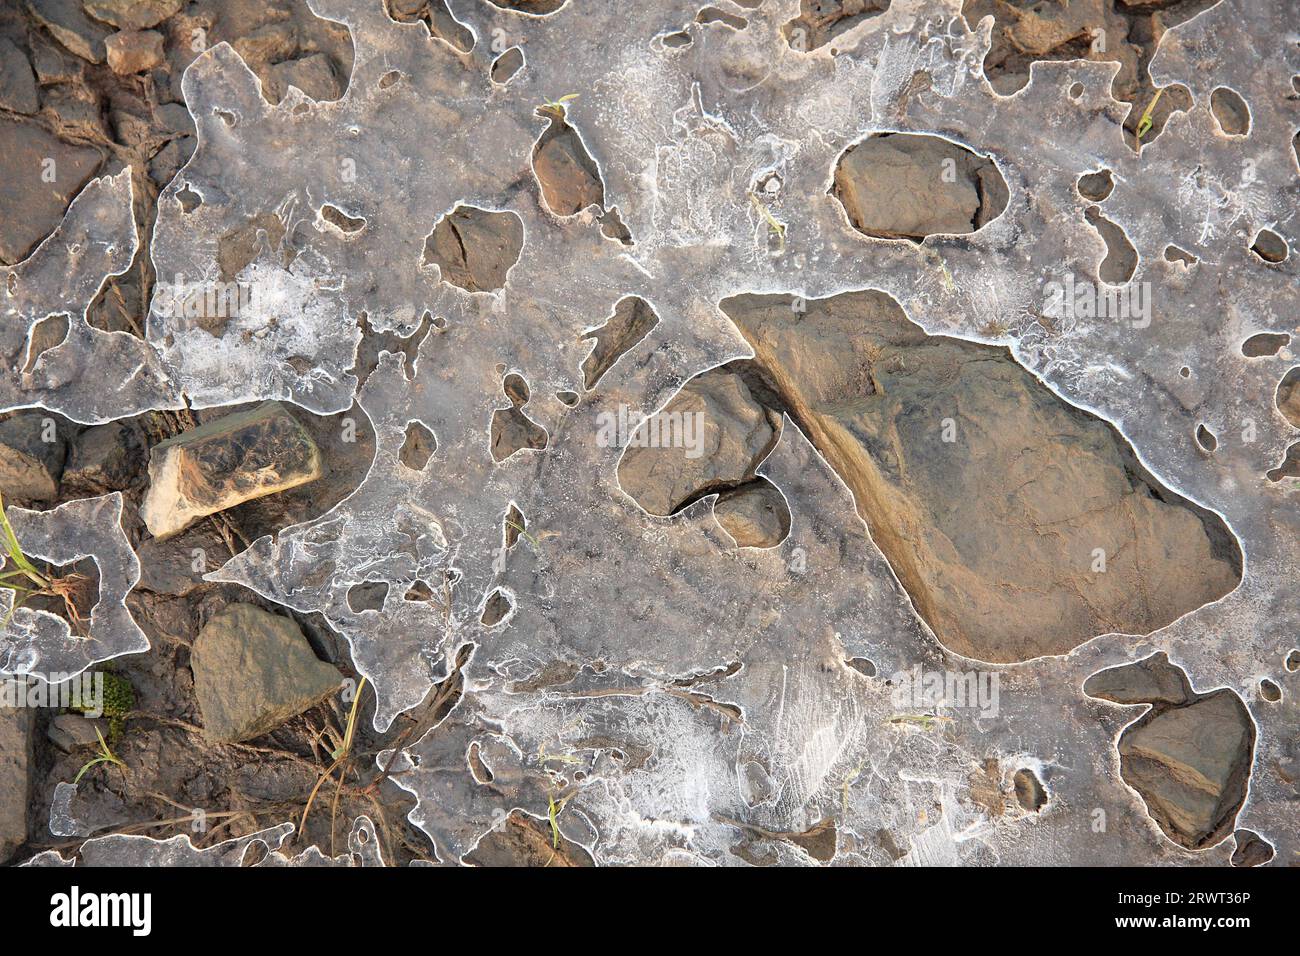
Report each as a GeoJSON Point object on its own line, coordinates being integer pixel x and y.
{"type": "Point", "coordinates": [1019, 524]}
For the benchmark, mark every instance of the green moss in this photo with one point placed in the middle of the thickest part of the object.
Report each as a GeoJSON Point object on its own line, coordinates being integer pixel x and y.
{"type": "Point", "coordinates": [119, 700]}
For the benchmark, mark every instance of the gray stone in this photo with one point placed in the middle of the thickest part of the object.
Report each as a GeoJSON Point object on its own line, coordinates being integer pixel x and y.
{"type": "Point", "coordinates": [15, 762]}
{"type": "Point", "coordinates": [17, 84]}
{"type": "Point", "coordinates": [103, 458]}
{"type": "Point", "coordinates": [31, 207]}
{"type": "Point", "coordinates": [68, 24]}
{"type": "Point", "coordinates": [30, 466]}
{"type": "Point", "coordinates": [69, 732]}
{"type": "Point", "coordinates": [225, 462]}
{"type": "Point", "coordinates": [132, 14]}
{"type": "Point", "coordinates": [253, 671]}
{"type": "Point", "coordinates": [709, 437]}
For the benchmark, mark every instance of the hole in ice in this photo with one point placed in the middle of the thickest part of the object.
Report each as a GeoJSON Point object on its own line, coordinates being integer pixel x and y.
{"type": "Point", "coordinates": [1251, 849]}
{"type": "Point", "coordinates": [1121, 258]}
{"type": "Point", "coordinates": [862, 665]}
{"type": "Point", "coordinates": [419, 446]}
{"type": "Point", "coordinates": [474, 248]}
{"type": "Point", "coordinates": [821, 21]}
{"type": "Point", "coordinates": [1231, 111]}
{"type": "Point", "coordinates": [367, 596]}
{"type": "Point", "coordinates": [1030, 792]}
{"type": "Point", "coordinates": [912, 185]}
{"type": "Point", "coordinates": [189, 199]}
{"type": "Point", "coordinates": [512, 430]}
{"type": "Point", "coordinates": [1095, 187]}
{"type": "Point", "coordinates": [1270, 691]}
{"type": "Point", "coordinates": [499, 606]}
{"type": "Point", "coordinates": [631, 321]}
{"type": "Point", "coordinates": [1290, 467]}
{"type": "Point", "coordinates": [1287, 396]}
{"type": "Point", "coordinates": [336, 217]}
{"type": "Point", "coordinates": [567, 174]}
{"type": "Point", "coordinates": [1180, 256]}
{"type": "Point", "coordinates": [715, 15]}
{"type": "Point", "coordinates": [1263, 344]}
{"type": "Point", "coordinates": [1269, 246]}
{"type": "Point", "coordinates": [1205, 438]}
{"type": "Point", "coordinates": [507, 65]}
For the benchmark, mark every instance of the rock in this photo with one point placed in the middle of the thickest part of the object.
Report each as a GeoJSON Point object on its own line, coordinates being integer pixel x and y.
{"type": "Point", "coordinates": [68, 732]}
{"type": "Point", "coordinates": [30, 465]}
{"type": "Point", "coordinates": [15, 762]}
{"type": "Point", "coordinates": [1151, 680]}
{"type": "Point", "coordinates": [314, 75]}
{"type": "Point", "coordinates": [908, 186]}
{"type": "Point", "coordinates": [134, 51]}
{"type": "Point", "coordinates": [568, 176]}
{"type": "Point", "coordinates": [1030, 793]}
{"type": "Point", "coordinates": [1191, 765]}
{"type": "Point", "coordinates": [176, 565]}
{"type": "Point", "coordinates": [55, 65]}
{"type": "Point", "coordinates": [104, 458]}
{"type": "Point", "coordinates": [225, 462]}
{"type": "Point", "coordinates": [132, 14]}
{"type": "Point", "coordinates": [253, 671]}
{"type": "Point", "coordinates": [76, 111]}
{"type": "Point", "coordinates": [475, 248]}
{"type": "Point", "coordinates": [17, 84]}
{"type": "Point", "coordinates": [68, 24]}
{"type": "Point", "coordinates": [710, 436]}
{"type": "Point", "coordinates": [265, 45]}
{"type": "Point", "coordinates": [755, 515]}
{"type": "Point", "coordinates": [1019, 525]}
{"type": "Point", "coordinates": [43, 175]}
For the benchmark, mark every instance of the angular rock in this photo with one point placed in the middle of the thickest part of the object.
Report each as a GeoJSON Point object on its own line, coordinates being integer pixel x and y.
{"type": "Point", "coordinates": [1019, 525]}
{"type": "Point", "coordinates": [17, 84]}
{"type": "Point", "coordinates": [43, 174]}
{"type": "Point", "coordinates": [132, 14]}
{"type": "Point", "coordinates": [1191, 765]}
{"type": "Point", "coordinates": [755, 515]}
{"type": "Point", "coordinates": [104, 458]}
{"type": "Point", "coordinates": [69, 732]}
{"type": "Point", "coordinates": [30, 466]}
{"type": "Point", "coordinates": [909, 186]}
{"type": "Point", "coordinates": [254, 670]}
{"type": "Point", "coordinates": [134, 51]}
{"type": "Point", "coordinates": [68, 24]}
{"type": "Point", "coordinates": [314, 75]}
{"type": "Point", "coordinates": [709, 437]}
{"type": "Point", "coordinates": [230, 460]}
{"type": "Point", "coordinates": [15, 763]}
